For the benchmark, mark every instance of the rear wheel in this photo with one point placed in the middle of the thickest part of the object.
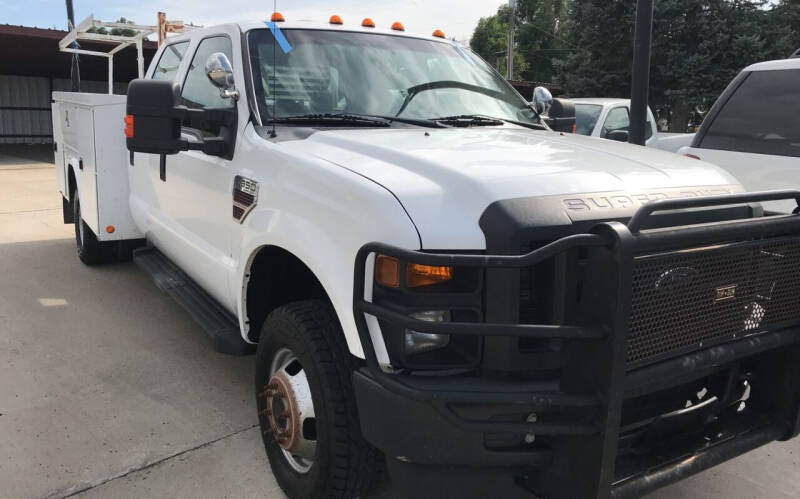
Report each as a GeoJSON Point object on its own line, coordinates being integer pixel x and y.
{"type": "Point", "coordinates": [90, 250]}
{"type": "Point", "coordinates": [306, 405]}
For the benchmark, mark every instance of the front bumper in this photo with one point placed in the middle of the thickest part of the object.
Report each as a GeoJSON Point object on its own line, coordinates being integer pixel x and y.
{"type": "Point", "coordinates": [591, 431]}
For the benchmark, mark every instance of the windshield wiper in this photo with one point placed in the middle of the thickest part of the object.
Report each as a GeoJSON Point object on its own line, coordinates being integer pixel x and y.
{"type": "Point", "coordinates": [467, 120]}
{"type": "Point", "coordinates": [333, 119]}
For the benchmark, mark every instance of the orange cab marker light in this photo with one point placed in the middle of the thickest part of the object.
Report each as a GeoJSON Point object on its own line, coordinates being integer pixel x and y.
{"type": "Point", "coordinates": [398, 26]}
{"type": "Point", "coordinates": [129, 125]}
{"type": "Point", "coordinates": [424, 275]}
{"type": "Point", "coordinates": [110, 229]}
{"type": "Point", "coordinates": [336, 20]}
{"type": "Point", "coordinates": [439, 34]}
{"type": "Point", "coordinates": [368, 23]}
{"type": "Point", "coordinates": [387, 271]}
{"type": "Point", "coordinates": [277, 17]}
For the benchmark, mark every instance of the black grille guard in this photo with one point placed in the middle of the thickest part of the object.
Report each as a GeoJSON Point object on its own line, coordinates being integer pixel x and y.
{"type": "Point", "coordinates": [597, 377]}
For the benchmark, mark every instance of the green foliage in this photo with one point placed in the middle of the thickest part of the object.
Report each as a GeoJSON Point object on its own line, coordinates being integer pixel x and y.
{"type": "Point", "coordinates": [491, 37]}
{"type": "Point", "coordinates": [114, 31]}
{"type": "Point", "coordinates": [587, 46]}
{"type": "Point", "coordinates": [698, 47]}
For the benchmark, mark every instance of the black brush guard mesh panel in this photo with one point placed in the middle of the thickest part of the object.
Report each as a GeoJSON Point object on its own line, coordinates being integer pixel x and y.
{"type": "Point", "coordinates": [688, 299]}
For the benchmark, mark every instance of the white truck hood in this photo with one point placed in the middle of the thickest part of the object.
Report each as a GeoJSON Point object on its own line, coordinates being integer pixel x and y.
{"type": "Point", "coordinates": [446, 178]}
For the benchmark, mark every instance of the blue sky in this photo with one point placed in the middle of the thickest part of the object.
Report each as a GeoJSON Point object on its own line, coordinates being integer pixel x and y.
{"type": "Point", "coordinates": [456, 17]}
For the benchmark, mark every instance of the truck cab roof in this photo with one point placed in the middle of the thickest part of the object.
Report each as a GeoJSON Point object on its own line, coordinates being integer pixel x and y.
{"type": "Point", "coordinates": [354, 27]}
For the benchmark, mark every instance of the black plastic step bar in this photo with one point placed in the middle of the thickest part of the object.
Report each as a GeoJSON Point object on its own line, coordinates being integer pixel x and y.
{"type": "Point", "coordinates": [219, 324]}
{"type": "Point", "coordinates": [593, 383]}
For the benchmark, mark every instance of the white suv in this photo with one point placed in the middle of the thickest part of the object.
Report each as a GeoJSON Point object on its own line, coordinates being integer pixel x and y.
{"type": "Point", "coordinates": [753, 130]}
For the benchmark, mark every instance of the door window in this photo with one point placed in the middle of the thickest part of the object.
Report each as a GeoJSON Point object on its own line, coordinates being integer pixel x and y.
{"type": "Point", "coordinates": [761, 117]}
{"type": "Point", "coordinates": [167, 67]}
{"type": "Point", "coordinates": [198, 92]}
{"type": "Point", "coordinates": [617, 119]}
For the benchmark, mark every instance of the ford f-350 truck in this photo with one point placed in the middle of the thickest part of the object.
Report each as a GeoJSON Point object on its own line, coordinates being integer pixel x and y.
{"type": "Point", "coordinates": [430, 275]}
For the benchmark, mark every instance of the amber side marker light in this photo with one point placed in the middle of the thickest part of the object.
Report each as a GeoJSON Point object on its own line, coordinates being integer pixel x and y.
{"type": "Point", "coordinates": [398, 27]}
{"type": "Point", "coordinates": [387, 271]}
{"type": "Point", "coordinates": [336, 20]}
{"type": "Point", "coordinates": [110, 229]}
{"type": "Point", "coordinates": [129, 125]}
{"type": "Point", "coordinates": [277, 17]}
{"type": "Point", "coordinates": [368, 23]}
{"type": "Point", "coordinates": [425, 275]}
{"type": "Point", "coordinates": [439, 34]}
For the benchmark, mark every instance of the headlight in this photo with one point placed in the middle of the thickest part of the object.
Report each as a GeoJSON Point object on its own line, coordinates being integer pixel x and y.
{"type": "Point", "coordinates": [417, 342]}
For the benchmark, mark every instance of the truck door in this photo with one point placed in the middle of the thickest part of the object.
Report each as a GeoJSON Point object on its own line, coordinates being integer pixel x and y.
{"type": "Point", "coordinates": [195, 197]}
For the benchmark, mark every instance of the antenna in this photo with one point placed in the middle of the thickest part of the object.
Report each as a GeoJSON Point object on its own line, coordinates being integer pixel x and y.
{"type": "Point", "coordinates": [274, 82]}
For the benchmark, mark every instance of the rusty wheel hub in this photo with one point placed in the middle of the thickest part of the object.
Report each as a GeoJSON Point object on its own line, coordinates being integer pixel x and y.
{"type": "Point", "coordinates": [289, 411]}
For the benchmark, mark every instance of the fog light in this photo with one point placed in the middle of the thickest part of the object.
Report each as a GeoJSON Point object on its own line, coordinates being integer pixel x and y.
{"type": "Point", "coordinates": [417, 342]}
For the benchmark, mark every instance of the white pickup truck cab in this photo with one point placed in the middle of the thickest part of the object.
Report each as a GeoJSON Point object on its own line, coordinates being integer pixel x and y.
{"type": "Point", "coordinates": [430, 275]}
{"type": "Point", "coordinates": [609, 118]}
{"type": "Point", "coordinates": [753, 130]}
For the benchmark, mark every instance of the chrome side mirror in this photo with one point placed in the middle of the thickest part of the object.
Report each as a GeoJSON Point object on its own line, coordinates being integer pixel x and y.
{"type": "Point", "coordinates": [542, 100]}
{"type": "Point", "coordinates": [220, 74]}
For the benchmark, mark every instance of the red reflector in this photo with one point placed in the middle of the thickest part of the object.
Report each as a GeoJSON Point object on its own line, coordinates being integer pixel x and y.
{"type": "Point", "coordinates": [574, 128]}
{"type": "Point", "coordinates": [692, 156]}
{"type": "Point", "coordinates": [129, 125]}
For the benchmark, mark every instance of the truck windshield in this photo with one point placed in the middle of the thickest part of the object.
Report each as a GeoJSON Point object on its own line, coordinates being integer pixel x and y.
{"type": "Point", "coordinates": [340, 72]}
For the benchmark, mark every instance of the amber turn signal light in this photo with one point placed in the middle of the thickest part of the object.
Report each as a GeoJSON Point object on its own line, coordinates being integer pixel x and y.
{"type": "Point", "coordinates": [129, 125]}
{"type": "Point", "coordinates": [387, 271]}
{"type": "Point", "coordinates": [425, 275]}
{"type": "Point", "coordinates": [110, 229]}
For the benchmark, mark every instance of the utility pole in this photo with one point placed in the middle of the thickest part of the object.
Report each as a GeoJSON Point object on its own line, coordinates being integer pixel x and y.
{"type": "Point", "coordinates": [640, 84]}
{"type": "Point", "coordinates": [512, 21]}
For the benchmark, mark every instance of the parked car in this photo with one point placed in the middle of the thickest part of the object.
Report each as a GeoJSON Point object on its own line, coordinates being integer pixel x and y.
{"type": "Point", "coordinates": [753, 130]}
{"type": "Point", "coordinates": [432, 276]}
{"type": "Point", "coordinates": [609, 118]}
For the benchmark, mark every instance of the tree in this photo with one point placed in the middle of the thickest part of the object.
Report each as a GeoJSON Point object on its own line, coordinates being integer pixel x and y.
{"type": "Point", "coordinates": [698, 47]}
{"type": "Point", "coordinates": [540, 24]}
{"type": "Point", "coordinates": [114, 31]}
{"type": "Point", "coordinates": [490, 38]}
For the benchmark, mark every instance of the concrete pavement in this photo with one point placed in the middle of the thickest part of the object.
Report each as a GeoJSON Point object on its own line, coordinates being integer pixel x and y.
{"type": "Point", "coordinates": [108, 389]}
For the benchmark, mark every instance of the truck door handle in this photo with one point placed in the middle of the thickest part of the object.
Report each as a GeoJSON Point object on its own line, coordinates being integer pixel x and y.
{"type": "Point", "coordinates": [80, 164]}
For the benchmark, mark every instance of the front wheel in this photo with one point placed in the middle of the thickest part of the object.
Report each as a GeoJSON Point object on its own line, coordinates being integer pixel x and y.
{"type": "Point", "coordinates": [306, 404]}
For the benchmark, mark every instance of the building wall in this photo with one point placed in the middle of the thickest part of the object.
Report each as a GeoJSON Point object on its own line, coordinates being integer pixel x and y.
{"type": "Point", "coordinates": [25, 116]}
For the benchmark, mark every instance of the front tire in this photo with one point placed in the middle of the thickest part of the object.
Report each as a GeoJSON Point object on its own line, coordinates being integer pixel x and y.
{"type": "Point", "coordinates": [90, 250]}
{"type": "Point", "coordinates": [306, 404]}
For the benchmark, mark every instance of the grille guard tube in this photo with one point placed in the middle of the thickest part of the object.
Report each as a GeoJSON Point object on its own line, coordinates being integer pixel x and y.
{"type": "Point", "coordinates": [592, 386]}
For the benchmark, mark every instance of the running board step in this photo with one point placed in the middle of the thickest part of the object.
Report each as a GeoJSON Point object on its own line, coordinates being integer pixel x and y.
{"type": "Point", "coordinates": [219, 324]}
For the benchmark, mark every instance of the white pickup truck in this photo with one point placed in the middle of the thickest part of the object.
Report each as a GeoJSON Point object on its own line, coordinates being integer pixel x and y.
{"type": "Point", "coordinates": [610, 119]}
{"type": "Point", "coordinates": [432, 277]}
